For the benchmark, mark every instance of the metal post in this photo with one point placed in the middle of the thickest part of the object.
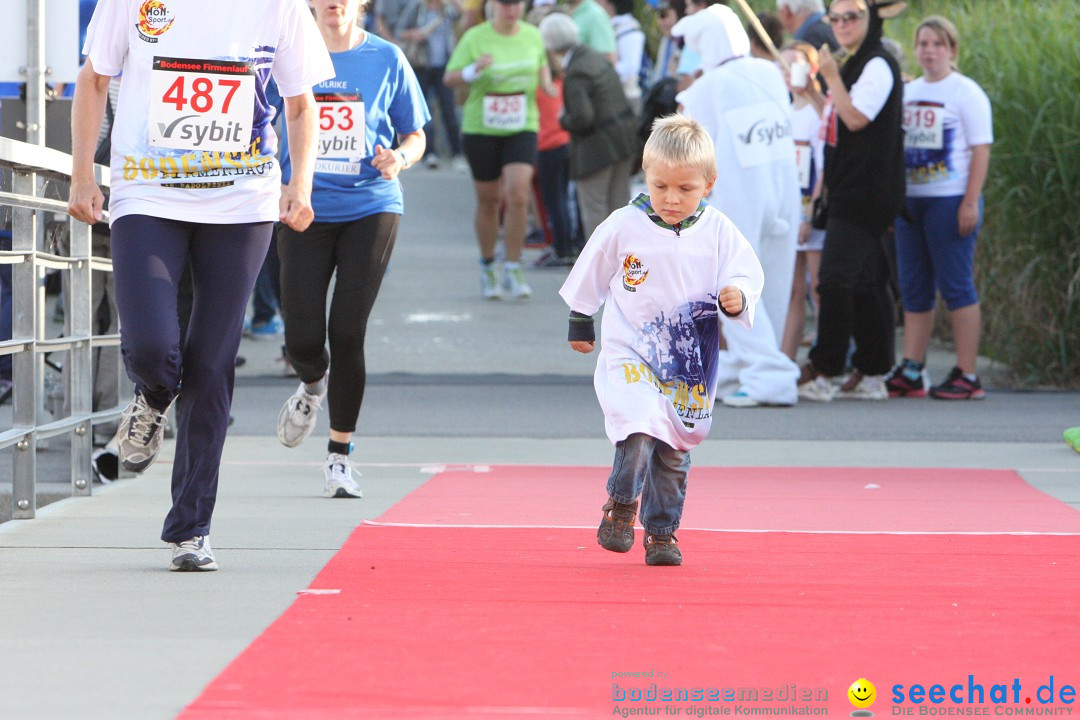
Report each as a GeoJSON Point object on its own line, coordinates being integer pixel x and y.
{"type": "Point", "coordinates": [79, 369]}
{"type": "Point", "coordinates": [35, 72]}
{"type": "Point", "coordinates": [24, 224]}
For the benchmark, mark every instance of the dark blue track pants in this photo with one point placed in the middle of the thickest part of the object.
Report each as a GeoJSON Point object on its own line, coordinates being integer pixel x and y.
{"type": "Point", "coordinates": [149, 256]}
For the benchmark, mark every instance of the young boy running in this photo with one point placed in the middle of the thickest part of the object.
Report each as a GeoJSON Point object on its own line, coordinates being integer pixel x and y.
{"type": "Point", "coordinates": [666, 265]}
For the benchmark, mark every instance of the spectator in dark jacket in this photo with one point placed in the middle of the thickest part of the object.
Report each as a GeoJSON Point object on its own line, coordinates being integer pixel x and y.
{"type": "Point", "coordinates": [603, 138]}
{"type": "Point", "coordinates": [864, 187]}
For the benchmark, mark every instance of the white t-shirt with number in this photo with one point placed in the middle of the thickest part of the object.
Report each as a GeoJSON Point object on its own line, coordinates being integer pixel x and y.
{"type": "Point", "coordinates": [657, 369]}
{"type": "Point", "coordinates": [942, 121]}
{"type": "Point", "coordinates": [192, 136]}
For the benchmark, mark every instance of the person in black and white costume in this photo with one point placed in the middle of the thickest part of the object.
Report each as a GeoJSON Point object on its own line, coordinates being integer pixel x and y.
{"type": "Point", "coordinates": [864, 188]}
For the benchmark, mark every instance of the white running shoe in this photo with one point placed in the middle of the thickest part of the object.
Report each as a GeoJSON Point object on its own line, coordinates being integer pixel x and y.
{"type": "Point", "coordinates": [340, 482]}
{"type": "Point", "coordinates": [514, 281]}
{"type": "Point", "coordinates": [869, 387]}
{"type": "Point", "coordinates": [740, 400]}
{"type": "Point", "coordinates": [298, 415]}
{"type": "Point", "coordinates": [139, 436]}
{"type": "Point", "coordinates": [193, 555]}
{"type": "Point", "coordinates": [820, 389]}
{"type": "Point", "coordinates": [489, 282]}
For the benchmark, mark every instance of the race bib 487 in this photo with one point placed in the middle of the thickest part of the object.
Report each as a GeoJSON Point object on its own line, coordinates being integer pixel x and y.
{"type": "Point", "coordinates": [201, 104]}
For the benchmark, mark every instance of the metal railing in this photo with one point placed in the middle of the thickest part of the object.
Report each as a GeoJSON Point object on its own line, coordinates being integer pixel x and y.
{"type": "Point", "coordinates": [29, 344]}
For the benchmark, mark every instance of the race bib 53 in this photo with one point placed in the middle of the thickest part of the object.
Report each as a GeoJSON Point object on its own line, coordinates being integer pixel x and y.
{"type": "Point", "coordinates": [342, 132]}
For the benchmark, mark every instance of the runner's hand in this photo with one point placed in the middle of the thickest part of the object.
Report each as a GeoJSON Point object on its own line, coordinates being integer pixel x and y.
{"type": "Point", "coordinates": [295, 206]}
{"type": "Point", "coordinates": [85, 201]}
{"type": "Point", "coordinates": [388, 162]}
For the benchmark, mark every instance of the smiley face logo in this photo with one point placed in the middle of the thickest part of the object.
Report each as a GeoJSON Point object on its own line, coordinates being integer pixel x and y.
{"type": "Point", "coordinates": [862, 693]}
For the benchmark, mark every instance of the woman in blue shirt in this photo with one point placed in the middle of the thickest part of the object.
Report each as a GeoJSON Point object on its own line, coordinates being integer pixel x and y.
{"type": "Point", "coordinates": [373, 101]}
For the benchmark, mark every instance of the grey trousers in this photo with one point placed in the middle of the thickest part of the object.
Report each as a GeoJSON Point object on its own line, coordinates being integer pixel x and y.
{"type": "Point", "coordinates": [602, 193]}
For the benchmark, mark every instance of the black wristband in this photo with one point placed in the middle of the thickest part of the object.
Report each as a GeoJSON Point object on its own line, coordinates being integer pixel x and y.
{"type": "Point", "coordinates": [581, 328]}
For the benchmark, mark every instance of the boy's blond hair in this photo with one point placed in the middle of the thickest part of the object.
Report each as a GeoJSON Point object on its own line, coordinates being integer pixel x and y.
{"type": "Point", "coordinates": [679, 141]}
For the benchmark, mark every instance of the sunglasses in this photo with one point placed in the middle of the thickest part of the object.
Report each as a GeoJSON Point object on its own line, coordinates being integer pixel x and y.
{"type": "Point", "coordinates": [846, 18]}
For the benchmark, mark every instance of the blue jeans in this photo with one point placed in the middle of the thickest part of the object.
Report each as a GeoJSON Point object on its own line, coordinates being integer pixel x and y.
{"type": "Point", "coordinates": [653, 469]}
{"type": "Point", "coordinates": [553, 176]}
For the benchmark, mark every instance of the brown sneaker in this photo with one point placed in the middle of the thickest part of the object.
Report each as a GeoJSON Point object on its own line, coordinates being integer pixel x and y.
{"type": "Point", "coordinates": [662, 550]}
{"type": "Point", "coordinates": [616, 531]}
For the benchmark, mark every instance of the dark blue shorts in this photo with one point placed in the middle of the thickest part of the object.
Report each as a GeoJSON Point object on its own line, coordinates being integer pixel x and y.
{"type": "Point", "coordinates": [931, 254]}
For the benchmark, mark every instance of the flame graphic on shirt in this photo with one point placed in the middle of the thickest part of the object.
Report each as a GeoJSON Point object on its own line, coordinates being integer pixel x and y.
{"type": "Point", "coordinates": [154, 18]}
{"type": "Point", "coordinates": [634, 273]}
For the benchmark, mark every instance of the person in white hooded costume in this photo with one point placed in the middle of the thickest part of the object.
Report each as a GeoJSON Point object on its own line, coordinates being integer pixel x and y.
{"type": "Point", "coordinates": [743, 104]}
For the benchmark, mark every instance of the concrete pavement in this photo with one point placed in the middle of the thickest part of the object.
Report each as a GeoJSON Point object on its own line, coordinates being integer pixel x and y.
{"type": "Point", "coordinates": [95, 626]}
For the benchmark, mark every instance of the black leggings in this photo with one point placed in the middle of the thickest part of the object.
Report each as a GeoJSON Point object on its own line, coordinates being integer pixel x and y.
{"type": "Point", "coordinates": [359, 250]}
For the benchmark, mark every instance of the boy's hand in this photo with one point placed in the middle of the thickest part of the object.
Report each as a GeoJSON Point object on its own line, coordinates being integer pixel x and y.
{"type": "Point", "coordinates": [586, 346]}
{"type": "Point", "coordinates": [731, 299]}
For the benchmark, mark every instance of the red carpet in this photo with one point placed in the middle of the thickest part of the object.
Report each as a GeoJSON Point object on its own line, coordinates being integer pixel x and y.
{"type": "Point", "coordinates": [436, 623]}
{"type": "Point", "coordinates": [807, 499]}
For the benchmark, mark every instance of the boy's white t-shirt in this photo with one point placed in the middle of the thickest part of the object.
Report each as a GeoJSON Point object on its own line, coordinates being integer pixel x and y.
{"type": "Point", "coordinates": [659, 337]}
{"type": "Point", "coordinates": [192, 136]}
{"type": "Point", "coordinates": [942, 121]}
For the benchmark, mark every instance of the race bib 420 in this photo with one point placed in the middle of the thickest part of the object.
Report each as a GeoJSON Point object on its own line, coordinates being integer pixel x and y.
{"type": "Point", "coordinates": [505, 112]}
